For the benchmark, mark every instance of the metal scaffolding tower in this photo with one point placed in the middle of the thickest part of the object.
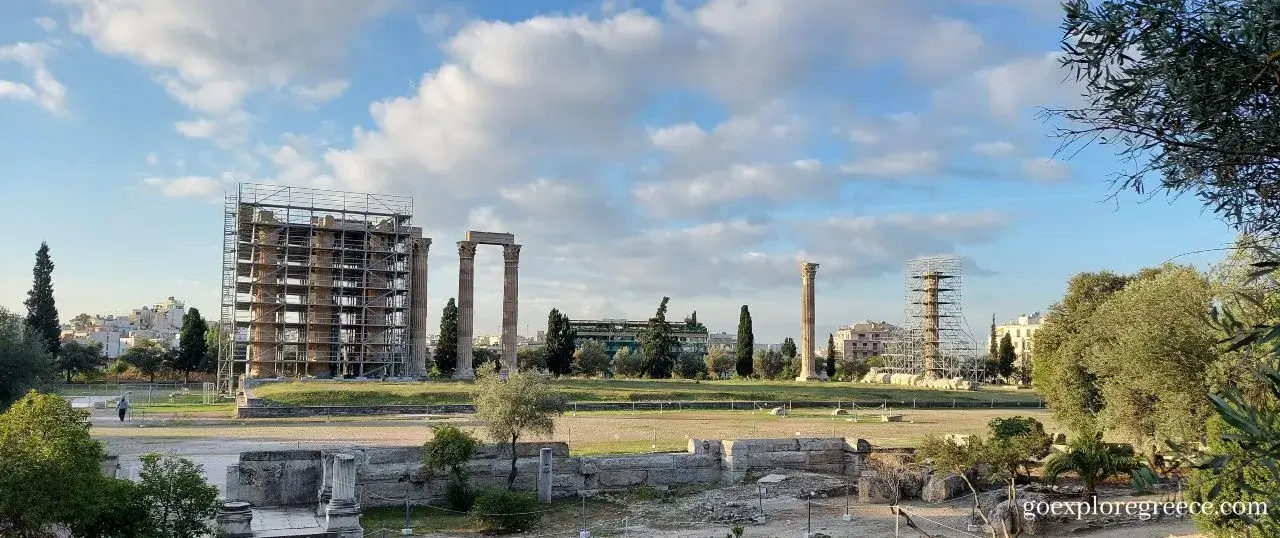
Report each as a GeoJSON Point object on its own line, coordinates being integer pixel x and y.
{"type": "Point", "coordinates": [934, 340]}
{"type": "Point", "coordinates": [314, 283]}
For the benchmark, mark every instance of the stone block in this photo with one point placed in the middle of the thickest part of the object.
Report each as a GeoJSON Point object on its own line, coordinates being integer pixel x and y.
{"type": "Point", "coordinates": [826, 458]}
{"type": "Point", "coordinates": [943, 488]}
{"type": "Point", "coordinates": [731, 447]}
{"type": "Point", "coordinates": [691, 461]}
{"type": "Point", "coordinates": [770, 445]}
{"type": "Point", "coordinates": [778, 411]}
{"type": "Point", "coordinates": [704, 446]}
{"type": "Point", "coordinates": [571, 482]}
{"type": "Point", "coordinates": [588, 467]}
{"type": "Point", "coordinates": [396, 456]}
{"type": "Point", "coordinates": [791, 459]}
{"type": "Point", "coordinates": [621, 478]}
{"type": "Point", "coordinates": [857, 445]}
{"type": "Point", "coordinates": [815, 444]}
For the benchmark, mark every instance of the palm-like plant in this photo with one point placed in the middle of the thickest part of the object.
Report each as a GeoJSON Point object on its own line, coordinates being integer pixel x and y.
{"type": "Point", "coordinates": [1093, 460]}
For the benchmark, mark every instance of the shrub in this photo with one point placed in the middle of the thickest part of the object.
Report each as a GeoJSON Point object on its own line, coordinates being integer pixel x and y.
{"type": "Point", "coordinates": [449, 449]}
{"type": "Point", "coordinates": [627, 363]}
{"type": "Point", "coordinates": [182, 503]}
{"type": "Point", "coordinates": [506, 511]}
{"type": "Point", "coordinates": [690, 366]}
{"type": "Point", "coordinates": [459, 495]}
{"type": "Point", "coordinates": [120, 509]}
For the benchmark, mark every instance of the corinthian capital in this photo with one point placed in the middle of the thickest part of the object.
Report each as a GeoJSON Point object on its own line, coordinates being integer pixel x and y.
{"type": "Point", "coordinates": [809, 270]}
{"type": "Point", "coordinates": [511, 253]}
{"type": "Point", "coordinates": [466, 249]}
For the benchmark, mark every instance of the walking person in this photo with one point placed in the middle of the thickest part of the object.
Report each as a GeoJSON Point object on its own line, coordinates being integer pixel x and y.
{"type": "Point", "coordinates": [123, 407]}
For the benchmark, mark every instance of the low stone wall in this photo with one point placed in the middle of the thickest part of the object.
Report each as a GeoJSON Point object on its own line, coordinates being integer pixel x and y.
{"type": "Point", "coordinates": [385, 476]}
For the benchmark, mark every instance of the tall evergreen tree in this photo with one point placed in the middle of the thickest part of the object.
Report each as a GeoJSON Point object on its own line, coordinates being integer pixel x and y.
{"type": "Point", "coordinates": [788, 348]}
{"type": "Point", "coordinates": [446, 353]}
{"type": "Point", "coordinates": [995, 342]}
{"type": "Point", "coordinates": [560, 345]}
{"type": "Point", "coordinates": [192, 343]}
{"type": "Point", "coordinates": [746, 344]}
{"type": "Point", "coordinates": [1007, 356]}
{"type": "Point", "coordinates": [831, 356]}
{"type": "Point", "coordinates": [42, 314]}
{"type": "Point", "coordinates": [658, 343]}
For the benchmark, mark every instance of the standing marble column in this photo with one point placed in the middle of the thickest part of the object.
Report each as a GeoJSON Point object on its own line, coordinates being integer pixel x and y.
{"type": "Point", "coordinates": [416, 366]}
{"type": "Point", "coordinates": [807, 272]}
{"type": "Point", "coordinates": [466, 308]}
{"type": "Point", "coordinates": [510, 304]}
{"type": "Point", "coordinates": [343, 513]}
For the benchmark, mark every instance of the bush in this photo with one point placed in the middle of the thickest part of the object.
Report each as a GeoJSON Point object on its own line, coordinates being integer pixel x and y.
{"type": "Point", "coordinates": [506, 511]}
{"type": "Point", "coordinates": [690, 366]}
{"type": "Point", "coordinates": [459, 495]}
{"type": "Point", "coordinates": [449, 449]}
{"type": "Point", "coordinates": [590, 359]}
{"type": "Point", "coordinates": [182, 503]}
{"type": "Point", "coordinates": [121, 509]}
{"type": "Point", "coordinates": [627, 363]}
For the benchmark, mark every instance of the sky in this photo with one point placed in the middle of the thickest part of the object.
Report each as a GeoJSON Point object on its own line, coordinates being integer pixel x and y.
{"type": "Point", "coordinates": [694, 149]}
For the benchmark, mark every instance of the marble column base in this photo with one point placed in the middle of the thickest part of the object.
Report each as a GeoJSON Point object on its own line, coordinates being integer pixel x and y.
{"type": "Point", "coordinates": [234, 520]}
{"type": "Point", "coordinates": [343, 516]}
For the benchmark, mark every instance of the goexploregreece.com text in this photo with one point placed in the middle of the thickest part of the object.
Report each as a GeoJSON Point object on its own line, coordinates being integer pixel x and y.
{"type": "Point", "coordinates": [1143, 510]}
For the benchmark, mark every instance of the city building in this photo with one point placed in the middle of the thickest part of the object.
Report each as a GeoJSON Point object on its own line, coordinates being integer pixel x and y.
{"type": "Point", "coordinates": [725, 341]}
{"type": "Point", "coordinates": [863, 340]}
{"type": "Point", "coordinates": [321, 283]}
{"type": "Point", "coordinates": [616, 334]}
{"type": "Point", "coordinates": [111, 341]}
{"type": "Point", "coordinates": [1021, 332]}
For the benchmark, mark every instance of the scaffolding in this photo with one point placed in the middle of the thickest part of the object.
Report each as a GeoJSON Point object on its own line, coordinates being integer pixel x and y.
{"type": "Point", "coordinates": [934, 340]}
{"type": "Point", "coordinates": [315, 283]}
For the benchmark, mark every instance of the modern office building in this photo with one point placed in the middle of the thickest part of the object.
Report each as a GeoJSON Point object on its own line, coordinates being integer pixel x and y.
{"type": "Point", "coordinates": [616, 334]}
{"type": "Point", "coordinates": [319, 283]}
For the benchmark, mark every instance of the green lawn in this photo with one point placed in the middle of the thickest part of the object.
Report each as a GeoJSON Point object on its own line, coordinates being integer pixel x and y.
{"type": "Point", "coordinates": [612, 390]}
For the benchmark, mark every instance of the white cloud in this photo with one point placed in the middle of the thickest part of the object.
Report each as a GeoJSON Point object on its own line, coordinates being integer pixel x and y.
{"type": "Point", "coordinates": [44, 90]}
{"type": "Point", "coordinates": [214, 54]}
{"type": "Point", "coordinates": [48, 24]}
{"type": "Point", "coordinates": [152, 159]}
{"type": "Point", "coordinates": [1010, 89]}
{"type": "Point", "coordinates": [863, 136]}
{"type": "Point", "coordinates": [895, 164]}
{"type": "Point", "coordinates": [1046, 169]}
{"type": "Point", "coordinates": [994, 148]}
{"type": "Point", "coordinates": [320, 93]}
{"type": "Point", "coordinates": [228, 131]}
{"type": "Point", "coordinates": [180, 187]}
{"type": "Point", "coordinates": [681, 137]}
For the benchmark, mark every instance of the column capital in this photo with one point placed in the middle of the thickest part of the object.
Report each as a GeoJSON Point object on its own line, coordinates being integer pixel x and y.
{"type": "Point", "coordinates": [511, 254]}
{"type": "Point", "coordinates": [809, 270]}
{"type": "Point", "coordinates": [466, 249]}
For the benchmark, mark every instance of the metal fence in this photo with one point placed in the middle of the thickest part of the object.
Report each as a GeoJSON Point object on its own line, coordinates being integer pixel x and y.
{"type": "Point", "coordinates": [139, 394]}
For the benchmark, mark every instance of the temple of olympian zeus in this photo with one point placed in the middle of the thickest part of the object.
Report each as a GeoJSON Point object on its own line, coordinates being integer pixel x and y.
{"type": "Point", "coordinates": [808, 370]}
{"type": "Point", "coordinates": [466, 298]}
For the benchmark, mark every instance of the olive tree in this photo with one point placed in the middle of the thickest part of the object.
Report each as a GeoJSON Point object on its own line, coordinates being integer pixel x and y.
{"type": "Point", "coordinates": [515, 405]}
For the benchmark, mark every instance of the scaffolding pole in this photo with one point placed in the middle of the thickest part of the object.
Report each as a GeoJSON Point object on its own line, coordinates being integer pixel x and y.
{"type": "Point", "coordinates": [934, 340]}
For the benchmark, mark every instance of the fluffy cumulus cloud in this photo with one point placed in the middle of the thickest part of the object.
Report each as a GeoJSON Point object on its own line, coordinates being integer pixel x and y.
{"type": "Point", "coordinates": [574, 130]}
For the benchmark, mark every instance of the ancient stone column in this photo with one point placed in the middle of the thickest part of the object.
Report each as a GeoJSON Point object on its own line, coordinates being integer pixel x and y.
{"type": "Point", "coordinates": [510, 304]}
{"type": "Point", "coordinates": [417, 364]}
{"type": "Point", "coordinates": [235, 520]}
{"type": "Point", "coordinates": [807, 272]}
{"type": "Point", "coordinates": [343, 513]}
{"type": "Point", "coordinates": [326, 483]}
{"type": "Point", "coordinates": [466, 308]}
{"type": "Point", "coordinates": [544, 475]}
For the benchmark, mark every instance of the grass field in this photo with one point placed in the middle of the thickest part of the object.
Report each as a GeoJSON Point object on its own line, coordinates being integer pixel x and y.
{"type": "Point", "coordinates": [614, 390]}
{"type": "Point", "coordinates": [588, 433]}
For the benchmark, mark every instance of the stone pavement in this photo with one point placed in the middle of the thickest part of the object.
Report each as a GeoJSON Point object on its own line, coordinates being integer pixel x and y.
{"type": "Point", "coordinates": [292, 522]}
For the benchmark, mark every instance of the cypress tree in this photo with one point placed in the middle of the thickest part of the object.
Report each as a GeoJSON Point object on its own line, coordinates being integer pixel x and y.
{"type": "Point", "coordinates": [560, 345]}
{"type": "Point", "coordinates": [192, 343]}
{"type": "Point", "coordinates": [831, 356]}
{"type": "Point", "coordinates": [446, 354]}
{"type": "Point", "coordinates": [658, 343]}
{"type": "Point", "coordinates": [788, 348]}
{"type": "Point", "coordinates": [1007, 356]}
{"type": "Point", "coordinates": [42, 314]}
{"type": "Point", "coordinates": [746, 343]}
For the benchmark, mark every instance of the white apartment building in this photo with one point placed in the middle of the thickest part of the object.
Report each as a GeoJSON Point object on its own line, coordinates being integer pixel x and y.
{"type": "Point", "coordinates": [722, 340]}
{"type": "Point", "coordinates": [863, 340]}
{"type": "Point", "coordinates": [112, 343]}
{"type": "Point", "coordinates": [1021, 332]}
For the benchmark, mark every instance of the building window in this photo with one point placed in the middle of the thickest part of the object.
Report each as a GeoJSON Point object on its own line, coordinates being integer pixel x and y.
{"type": "Point", "coordinates": [875, 335]}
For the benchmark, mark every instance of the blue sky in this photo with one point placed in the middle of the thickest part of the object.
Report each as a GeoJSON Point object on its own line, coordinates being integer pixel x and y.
{"type": "Point", "coordinates": [699, 150]}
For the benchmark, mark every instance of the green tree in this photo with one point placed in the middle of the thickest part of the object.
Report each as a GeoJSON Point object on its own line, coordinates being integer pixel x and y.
{"type": "Point", "coordinates": [590, 359]}
{"type": "Point", "coordinates": [746, 344]}
{"type": "Point", "coordinates": [215, 340]}
{"type": "Point", "coordinates": [1185, 90]}
{"type": "Point", "coordinates": [1006, 356]}
{"type": "Point", "coordinates": [690, 366]}
{"type": "Point", "coordinates": [485, 355]}
{"type": "Point", "coordinates": [531, 358]}
{"type": "Point", "coordinates": [450, 449]}
{"type": "Point", "coordinates": [719, 363]}
{"type": "Point", "coordinates": [82, 322]}
{"type": "Point", "coordinates": [42, 314]}
{"type": "Point", "coordinates": [446, 352]}
{"type": "Point", "coordinates": [788, 348]}
{"type": "Point", "coordinates": [769, 364]}
{"type": "Point", "coordinates": [24, 362]}
{"type": "Point", "coordinates": [831, 356]}
{"type": "Point", "coordinates": [147, 356]}
{"type": "Point", "coordinates": [524, 403]}
{"type": "Point", "coordinates": [192, 344]}
{"type": "Point", "coordinates": [182, 503]}
{"type": "Point", "coordinates": [49, 466]}
{"type": "Point", "coordinates": [559, 345]}
{"type": "Point", "coordinates": [659, 344]}
{"type": "Point", "coordinates": [1092, 460]}
{"type": "Point", "coordinates": [1060, 374]}
{"type": "Point", "coordinates": [120, 508]}
{"type": "Point", "coordinates": [80, 358]}
{"type": "Point", "coordinates": [627, 363]}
